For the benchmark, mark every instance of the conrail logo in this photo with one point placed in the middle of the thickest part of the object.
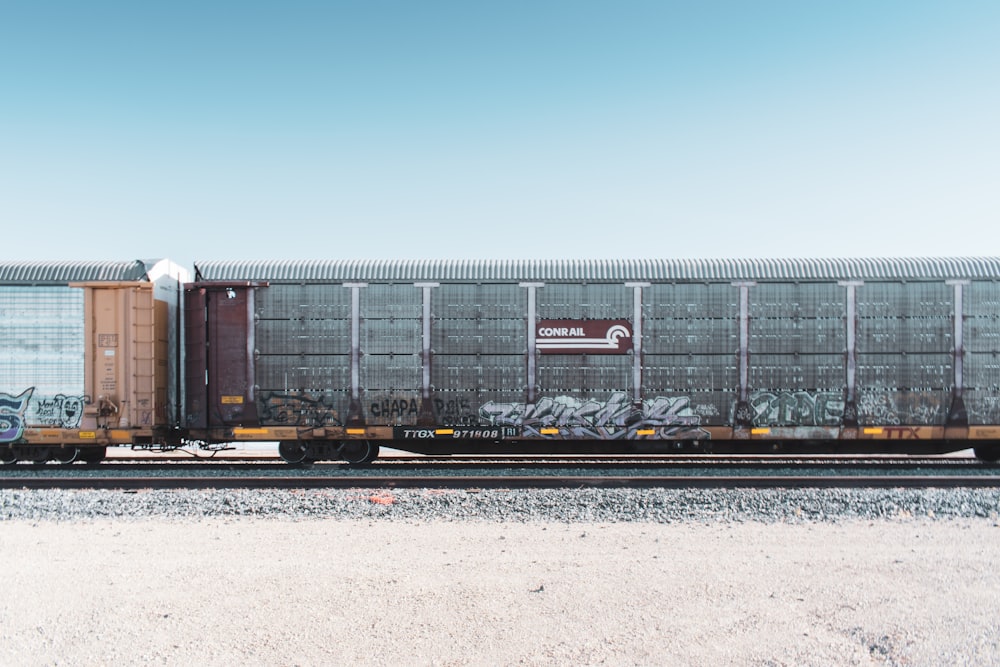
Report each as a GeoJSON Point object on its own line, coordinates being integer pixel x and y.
{"type": "Point", "coordinates": [583, 336]}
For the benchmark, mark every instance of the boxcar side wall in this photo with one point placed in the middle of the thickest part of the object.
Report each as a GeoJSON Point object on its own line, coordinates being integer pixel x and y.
{"type": "Point", "coordinates": [880, 365]}
{"type": "Point", "coordinates": [84, 365]}
{"type": "Point", "coordinates": [41, 358]}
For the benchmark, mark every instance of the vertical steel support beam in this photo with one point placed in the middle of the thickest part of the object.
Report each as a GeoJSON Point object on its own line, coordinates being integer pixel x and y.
{"type": "Point", "coordinates": [532, 348]}
{"type": "Point", "coordinates": [958, 418]}
{"type": "Point", "coordinates": [637, 341]}
{"type": "Point", "coordinates": [251, 349]}
{"type": "Point", "coordinates": [355, 415]}
{"type": "Point", "coordinates": [744, 361]}
{"type": "Point", "coordinates": [126, 360]}
{"type": "Point", "coordinates": [849, 419]}
{"type": "Point", "coordinates": [426, 414]}
{"type": "Point", "coordinates": [958, 351]}
{"type": "Point", "coordinates": [743, 415]}
{"type": "Point", "coordinates": [177, 367]}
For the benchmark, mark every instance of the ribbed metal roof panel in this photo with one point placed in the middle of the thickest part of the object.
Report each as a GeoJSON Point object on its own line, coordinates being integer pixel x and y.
{"type": "Point", "coordinates": [61, 272]}
{"type": "Point", "coordinates": [914, 268]}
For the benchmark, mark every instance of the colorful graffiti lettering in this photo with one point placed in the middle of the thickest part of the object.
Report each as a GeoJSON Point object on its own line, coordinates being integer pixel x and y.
{"type": "Point", "coordinates": [12, 410]}
{"type": "Point", "coordinates": [616, 418]}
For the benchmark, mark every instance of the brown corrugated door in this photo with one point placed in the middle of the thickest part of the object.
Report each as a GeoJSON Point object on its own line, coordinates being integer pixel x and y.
{"type": "Point", "coordinates": [220, 360]}
{"type": "Point", "coordinates": [125, 357]}
{"type": "Point", "coordinates": [195, 358]}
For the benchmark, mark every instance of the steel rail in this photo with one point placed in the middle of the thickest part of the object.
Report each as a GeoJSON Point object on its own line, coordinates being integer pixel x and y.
{"type": "Point", "coordinates": [429, 464]}
{"type": "Point", "coordinates": [501, 482]}
{"type": "Point", "coordinates": [652, 459]}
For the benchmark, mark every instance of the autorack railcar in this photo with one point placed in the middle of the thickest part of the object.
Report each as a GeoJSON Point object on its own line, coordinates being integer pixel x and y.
{"type": "Point", "coordinates": [333, 359]}
{"type": "Point", "coordinates": [88, 357]}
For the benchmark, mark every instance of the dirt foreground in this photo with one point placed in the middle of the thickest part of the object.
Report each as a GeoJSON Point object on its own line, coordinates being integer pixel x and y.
{"type": "Point", "coordinates": [321, 592]}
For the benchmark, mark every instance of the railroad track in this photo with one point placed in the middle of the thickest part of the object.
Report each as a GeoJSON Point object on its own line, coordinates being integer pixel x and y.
{"type": "Point", "coordinates": [412, 472]}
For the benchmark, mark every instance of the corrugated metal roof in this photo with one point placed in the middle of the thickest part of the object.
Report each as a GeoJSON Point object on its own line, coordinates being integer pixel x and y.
{"type": "Point", "coordinates": [62, 272]}
{"type": "Point", "coordinates": [917, 268]}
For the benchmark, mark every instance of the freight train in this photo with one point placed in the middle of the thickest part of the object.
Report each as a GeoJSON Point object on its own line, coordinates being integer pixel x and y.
{"type": "Point", "coordinates": [334, 359]}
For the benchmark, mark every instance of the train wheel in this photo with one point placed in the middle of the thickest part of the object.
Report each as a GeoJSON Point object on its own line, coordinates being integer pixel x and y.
{"type": "Point", "coordinates": [92, 455]}
{"type": "Point", "coordinates": [294, 451]}
{"type": "Point", "coordinates": [65, 454]}
{"type": "Point", "coordinates": [358, 452]}
{"type": "Point", "coordinates": [37, 455]}
{"type": "Point", "coordinates": [7, 455]}
{"type": "Point", "coordinates": [990, 454]}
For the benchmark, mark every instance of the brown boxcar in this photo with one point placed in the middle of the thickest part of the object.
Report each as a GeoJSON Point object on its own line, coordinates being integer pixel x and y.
{"type": "Point", "coordinates": [89, 357]}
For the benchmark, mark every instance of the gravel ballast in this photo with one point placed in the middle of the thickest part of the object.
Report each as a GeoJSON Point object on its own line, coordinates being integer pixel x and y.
{"type": "Point", "coordinates": [572, 505]}
{"type": "Point", "coordinates": [535, 577]}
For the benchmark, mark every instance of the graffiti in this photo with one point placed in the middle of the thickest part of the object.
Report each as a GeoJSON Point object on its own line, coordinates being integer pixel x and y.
{"type": "Point", "coordinates": [408, 409]}
{"type": "Point", "coordinates": [12, 410]}
{"type": "Point", "coordinates": [60, 411]}
{"type": "Point", "coordinates": [983, 409]}
{"type": "Point", "coordinates": [743, 413]}
{"type": "Point", "coordinates": [616, 418]}
{"type": "Point", "coordinates": [705, 410]}
{"type": "Point", "coordinates": [797, 408]}
{"type": "Point", "coordinates": [923, 414]}
{"type": "Point", "coordinates": [802, 408]}
{"type": "Point", "coordinates": [454, 411]}
{"type": "Point", "coordinates": [297, 410]}
{"type": "Point", "coordinates": [395, 408]}
{"type": "Point", "coordinates": [894, 408]}
{"type": "Point", "coordinates": [877, 409]}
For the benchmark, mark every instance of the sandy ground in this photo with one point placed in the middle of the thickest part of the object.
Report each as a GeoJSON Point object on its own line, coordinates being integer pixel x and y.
{"type": "Point", "coordinates": [282, 592]}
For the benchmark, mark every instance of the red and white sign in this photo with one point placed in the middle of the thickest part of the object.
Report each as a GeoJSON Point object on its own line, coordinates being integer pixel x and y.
{"type": "Point", "coordinates": [583, 336]}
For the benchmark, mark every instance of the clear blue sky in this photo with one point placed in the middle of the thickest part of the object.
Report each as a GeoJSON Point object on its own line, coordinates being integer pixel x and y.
{"type": "Point", "coordinates": [564, 129]}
